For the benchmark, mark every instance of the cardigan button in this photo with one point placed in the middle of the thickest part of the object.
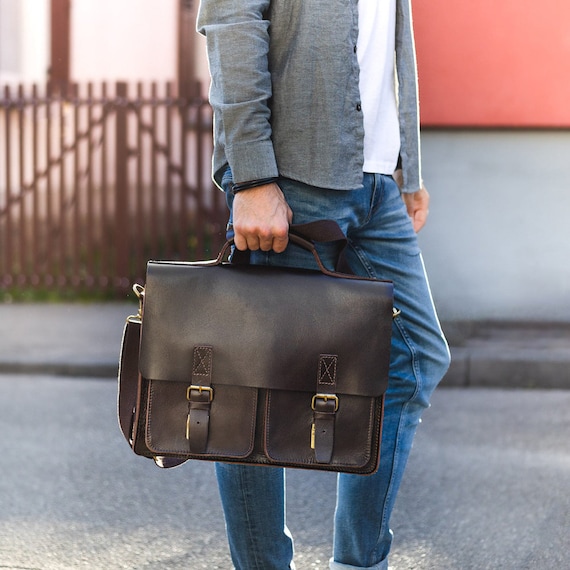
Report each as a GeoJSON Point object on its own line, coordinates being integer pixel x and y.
{"type": "Point", "coordinates": [358, 107]}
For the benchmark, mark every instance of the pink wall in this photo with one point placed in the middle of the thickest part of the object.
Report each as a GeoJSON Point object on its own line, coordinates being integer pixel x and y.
{"type": "Point", "coordinates": [494, 62]}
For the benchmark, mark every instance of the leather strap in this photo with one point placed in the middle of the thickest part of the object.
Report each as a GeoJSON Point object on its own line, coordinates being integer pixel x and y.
{"type": "Point", "coordinates": [128, 376]}
{"type": "Point", "coordinates": [200, 395]}
{"type": "Point", "coordinates": [325, 404]}
{"type": "Point", "coordinates": [320, 231]}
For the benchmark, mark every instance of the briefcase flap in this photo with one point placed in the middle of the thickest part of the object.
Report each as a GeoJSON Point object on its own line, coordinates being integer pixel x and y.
{"type": "Point", "coordinates": [267, 327]}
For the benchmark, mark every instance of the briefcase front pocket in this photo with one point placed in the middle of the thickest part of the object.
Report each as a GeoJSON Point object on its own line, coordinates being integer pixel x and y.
{"type": "Point", "coordinates": [348, 440]}
{"type": "Point", "coordinates": [227, 428]}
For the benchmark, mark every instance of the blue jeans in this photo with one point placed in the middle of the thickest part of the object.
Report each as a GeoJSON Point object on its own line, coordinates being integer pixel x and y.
{"type": "Point", "coordinates": [382, 244]}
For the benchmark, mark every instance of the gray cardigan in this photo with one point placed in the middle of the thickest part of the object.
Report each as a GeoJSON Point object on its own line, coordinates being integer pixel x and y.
{"type": "Point", "coordinates": [285, 90]}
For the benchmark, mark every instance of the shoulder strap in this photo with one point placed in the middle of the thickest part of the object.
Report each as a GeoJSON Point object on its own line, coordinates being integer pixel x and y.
{"type": "Point", "coordinates": [128, 376]}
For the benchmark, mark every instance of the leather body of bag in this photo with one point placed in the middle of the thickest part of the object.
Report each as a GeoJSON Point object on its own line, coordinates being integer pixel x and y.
{"type": "Point", "coordinates": [257, 364]}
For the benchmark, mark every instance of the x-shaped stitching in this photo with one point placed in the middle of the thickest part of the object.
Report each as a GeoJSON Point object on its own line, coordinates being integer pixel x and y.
{"type": "Point", "coordinates": [202, 360]}
{"type": "Point", "coordinates": [328, 370]}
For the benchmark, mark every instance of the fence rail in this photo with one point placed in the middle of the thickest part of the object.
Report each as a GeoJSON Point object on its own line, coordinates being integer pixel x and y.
{"type": "Point", "coordinates": [97, 179]}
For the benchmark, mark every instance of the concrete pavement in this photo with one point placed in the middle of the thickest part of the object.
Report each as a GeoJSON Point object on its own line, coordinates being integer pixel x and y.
{"type": "Point", "coordinates": [487, 488]}
{"type": "Point", "coordinates": [84, 340]}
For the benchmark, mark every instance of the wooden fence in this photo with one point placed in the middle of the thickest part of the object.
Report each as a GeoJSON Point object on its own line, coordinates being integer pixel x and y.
{"type": "Point", "coordinates": [97, 179]}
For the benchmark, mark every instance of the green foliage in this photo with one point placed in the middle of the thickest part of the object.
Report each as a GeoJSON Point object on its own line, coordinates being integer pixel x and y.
{"type": "Point", "coordinates": [62, 295]}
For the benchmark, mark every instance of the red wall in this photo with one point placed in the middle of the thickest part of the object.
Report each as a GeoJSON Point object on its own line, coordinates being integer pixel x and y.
{"type": "Point", "coordinates": [494, 62]}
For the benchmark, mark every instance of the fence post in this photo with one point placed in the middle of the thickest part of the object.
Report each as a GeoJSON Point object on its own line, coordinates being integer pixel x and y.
{"type": "Point", "coordinates": [121, 187]}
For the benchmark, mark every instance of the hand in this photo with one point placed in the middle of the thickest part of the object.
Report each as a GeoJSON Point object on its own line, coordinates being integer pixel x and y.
{"type": "Point", "coordinates": [417, 204]}
{"type": "Point", "coordinates": [261, 218]}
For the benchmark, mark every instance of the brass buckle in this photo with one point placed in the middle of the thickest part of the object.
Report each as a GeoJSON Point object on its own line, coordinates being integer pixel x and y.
{"type": "Point", "coordinates": [200, 390]}
{"type": "Point", "coordinates": [326, 398]}
{"type": "Point", "coordinates": [139, 292]}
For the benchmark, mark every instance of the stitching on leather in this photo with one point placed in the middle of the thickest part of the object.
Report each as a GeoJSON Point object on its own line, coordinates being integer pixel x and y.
{"type": "Point", "coordinates": [213, 454]}
{"type": "Point", "coordinates": [148, 431]}
{"type": "Point", "coordinates": [327, 368]}
{"type": "Point", "coordinates": [202, 364]}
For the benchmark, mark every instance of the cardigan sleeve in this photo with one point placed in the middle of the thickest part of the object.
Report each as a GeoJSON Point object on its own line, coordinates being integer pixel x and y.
{"type": "Point", "coordinates": [237, 41]}
{"type": "Point", "coordinates": [408, 98]}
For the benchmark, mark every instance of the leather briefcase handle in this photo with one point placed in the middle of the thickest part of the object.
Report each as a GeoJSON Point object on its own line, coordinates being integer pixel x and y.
{"type": "Point", "coordinates": [305, 236]}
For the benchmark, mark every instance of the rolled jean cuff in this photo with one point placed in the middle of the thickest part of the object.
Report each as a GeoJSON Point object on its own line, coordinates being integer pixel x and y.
{"type": "Point", "coordinates": [338, 566]}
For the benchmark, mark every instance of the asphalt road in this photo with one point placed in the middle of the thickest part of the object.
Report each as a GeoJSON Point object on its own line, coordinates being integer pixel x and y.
{"type": "Point", "coordinates": [487, 487]}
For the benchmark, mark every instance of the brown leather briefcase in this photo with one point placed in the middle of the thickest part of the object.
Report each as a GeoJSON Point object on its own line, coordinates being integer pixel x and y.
{"type": "Point", "coordinates": [255, 364]}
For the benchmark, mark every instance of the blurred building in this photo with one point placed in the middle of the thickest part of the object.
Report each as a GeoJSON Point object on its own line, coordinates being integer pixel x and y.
{"type": "Point", "coordinates": [99, 40]}
{"type": "Point", "coordinates": [495, 93]}
{"type": "Point", "coordinates": [495, 107]}
{"type": "Point", "coordinates": [105, 142]}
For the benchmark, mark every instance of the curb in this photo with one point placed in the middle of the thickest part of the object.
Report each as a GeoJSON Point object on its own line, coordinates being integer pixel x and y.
{"type": "Point", "coordinates": [470, 368]}
{"type": "Point", "coordinates": [103, 370]}
{"type": "Point", "coordinates": [509, 355]}
{"type": "Point", "coordinates": [83, 341]}
{"type": "Point", "coordinates": [473, 369]}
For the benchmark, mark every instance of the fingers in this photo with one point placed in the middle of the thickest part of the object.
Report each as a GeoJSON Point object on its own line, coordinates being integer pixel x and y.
{"type": "Point", "coordinates": [419, 219]}
{"type": "Point", "coordinates": [240, 241]}
{"type": "Point", "coordinates": [279, 243]}
{"type": "Point", "coordinates": [417, 205]}
{"type": "Point", "coordinates": [255, 240]}
{"type": "Point", "coordinates": [261, 219]}
{"type": "Point", "coordinates": [263, 238]}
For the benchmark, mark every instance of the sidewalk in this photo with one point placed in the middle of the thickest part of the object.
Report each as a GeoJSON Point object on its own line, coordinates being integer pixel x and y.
{"type": "Point", "coordinates": [62, 339]}
{"type": "Point", "coordinates": [84, 340]}
{"type": "Point", "coordinates": [509, 355]}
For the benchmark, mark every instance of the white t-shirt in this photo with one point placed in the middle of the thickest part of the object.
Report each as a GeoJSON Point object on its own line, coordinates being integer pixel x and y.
{"type": "Point", "coordinates": [375, 51]}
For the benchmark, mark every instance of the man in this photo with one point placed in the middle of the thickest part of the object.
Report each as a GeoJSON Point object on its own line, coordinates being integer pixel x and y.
{"type": "Point", "coordinates": [310, 123]}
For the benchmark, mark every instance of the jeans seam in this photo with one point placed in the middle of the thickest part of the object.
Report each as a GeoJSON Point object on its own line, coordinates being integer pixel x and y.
{"type": "Point", "coordinates": [249, 529]}
{"type": "Point", "coordinates": [376, 195]}
{"type": "Point", "coordinates": [373, 198]}
{"type": "Point", "coordinates": [403, 413]}
{"type": "Point", "coordinates": [413, 352]}
{"type": "Point", "coordinates": [362, 258]}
